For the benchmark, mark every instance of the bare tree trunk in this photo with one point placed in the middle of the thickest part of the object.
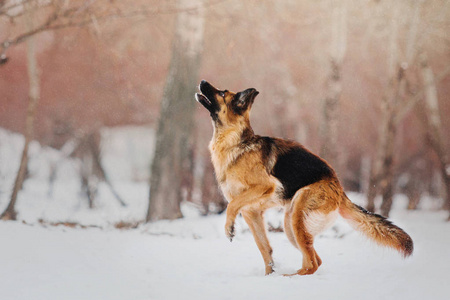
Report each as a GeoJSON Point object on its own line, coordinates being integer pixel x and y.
{"type": "Point", "coordinates": [398, 90]}
{"type": "Point", "coordinates": [382, 173]}
{"type": "Point", "coordinates": [434, 123]}
{"type": "Point", "coordinates": [174, 136]}
{"type": "Point", "coordinates": [382, 167]}
{"type": "Point", "coordinates": [330, 114]}
{"type": "Point", "coordinates": [386, 179]}
{"type": "Point", "coordinates": [94, 145]}
{"type": "Point", "coordinates": [92, 171]}
{"type": "Point", "coordinates": [34, 94]}
{"type": "Point", "coordinates": [330, 106]}
{"type": "Point", "coordinates": [414, 187]}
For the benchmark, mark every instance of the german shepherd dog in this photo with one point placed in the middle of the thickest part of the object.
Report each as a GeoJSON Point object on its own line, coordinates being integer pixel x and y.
{"type": "Point", "coordinates": [257, 172]}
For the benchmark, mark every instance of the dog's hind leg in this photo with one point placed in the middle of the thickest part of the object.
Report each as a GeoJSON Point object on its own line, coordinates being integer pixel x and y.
{"type": "Point", "coordinates": [288, 226]}
{"type": "Point", "coordinates": [255, 222]}
{"type": "Point", "coordinates": [304, 219]}
{"type": "Point", "coordinates": [305, 242]}
{"type": "Point", "coordinates": [290, 233]}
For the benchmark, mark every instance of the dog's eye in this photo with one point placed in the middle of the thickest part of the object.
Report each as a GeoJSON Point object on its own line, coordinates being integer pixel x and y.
{"type": "Point", "coordinates": [222, 94]}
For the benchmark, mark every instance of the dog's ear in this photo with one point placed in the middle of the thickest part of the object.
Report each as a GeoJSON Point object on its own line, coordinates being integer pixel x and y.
{"type": "Point", "coordinates": [243, 100]}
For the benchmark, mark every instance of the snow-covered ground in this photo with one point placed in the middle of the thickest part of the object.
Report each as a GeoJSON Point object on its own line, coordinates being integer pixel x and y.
{"type": "Point", "coordinates": [191, 258]}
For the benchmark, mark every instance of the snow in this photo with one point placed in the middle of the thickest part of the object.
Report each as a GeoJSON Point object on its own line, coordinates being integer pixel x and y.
{"type": "Point", "coordinates": [128, 149]}
{"type": "Point", "coordinates": [191, 258]}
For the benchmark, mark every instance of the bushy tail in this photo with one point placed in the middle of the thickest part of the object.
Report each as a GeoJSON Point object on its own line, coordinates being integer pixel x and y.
{"type": "Point", "coordinates": [376, 227]}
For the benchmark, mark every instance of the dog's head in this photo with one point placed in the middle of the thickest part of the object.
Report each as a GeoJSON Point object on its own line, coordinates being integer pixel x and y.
{"type": "Point", "coordinates": [226, 108]}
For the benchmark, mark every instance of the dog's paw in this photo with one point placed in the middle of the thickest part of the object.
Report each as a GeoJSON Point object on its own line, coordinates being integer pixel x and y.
{"type": "Point", "coordinates": [229, 231]}
{"type": "Point", "coordinates": [303, 271]}
{"type": "Point", "coordinates": [269, 270]}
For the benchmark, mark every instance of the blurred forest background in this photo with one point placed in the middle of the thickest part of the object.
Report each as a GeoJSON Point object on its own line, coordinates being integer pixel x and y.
{"type": "Point", "coordinates": [366, 84]}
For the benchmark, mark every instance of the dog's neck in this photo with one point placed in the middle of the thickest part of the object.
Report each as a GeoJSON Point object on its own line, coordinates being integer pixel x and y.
{"type": "Point", "coordinates": [231, 136]}
{"type": "Point", "coordinates": [225, 146]}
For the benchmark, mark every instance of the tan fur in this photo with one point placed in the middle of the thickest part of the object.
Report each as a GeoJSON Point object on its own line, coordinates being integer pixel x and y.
{"type": "Point", "coordinates": [250, 189]}
{"type": "Point", "coordinates": [377, 228]}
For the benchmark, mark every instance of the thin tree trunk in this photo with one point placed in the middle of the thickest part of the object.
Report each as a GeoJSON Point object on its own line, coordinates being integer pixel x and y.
{"type": "Point", "coordinates": [330, 114]}
{"type": "Point", "coordinates": [34, 94]}
{"type": "Point", "coordinates": [382, 167]}
{"type": "Point", "coordinates": [382, 175]}
{"type": "Point", "coordinates": [174, 136]}
{"type": "Point", "coordinates": [94, 142]}
{"type": "Point", "coordinates": [434, 123]}
{"type": "Point", "coordinates": [386, 153]}
{"type": "Point", "coordinates": [386, 179]}
{"type": "Point", "coordinates": [372, 190]}
{"type": "Point", "coordinates": [330, 106]}
{"type": "Point", "coordinates": [414, 188]}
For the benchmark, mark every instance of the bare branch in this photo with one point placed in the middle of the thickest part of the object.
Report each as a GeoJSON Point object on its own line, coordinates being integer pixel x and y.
{"type": "Point", "coordinates": [417, 97]}
{"type": "Point", "coordinates": [83, 15]}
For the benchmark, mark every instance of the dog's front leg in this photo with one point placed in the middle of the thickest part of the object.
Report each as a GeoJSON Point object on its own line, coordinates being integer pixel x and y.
{"type": "Point", "coordinates": [255, 221]}
{"type": "Point", "coordinates": [232, 211]}
{"type": "Point", "coordinates": [246, 198]}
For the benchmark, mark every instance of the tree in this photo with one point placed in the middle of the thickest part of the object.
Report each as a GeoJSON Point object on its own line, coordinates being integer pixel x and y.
{"type": "Point", "coordinates": [33, 98]}
{"type": "Point", "coordinates": [434, 123]}
{"type": "Point", "coordinates": [173, 153]}
{"type": "Point", "coordinates": [382, 172]}
{"type": "Point", "coordinates": [382, 166]}
{"type": "Point", "coordinates": [329, 130]}
{"type": "Point", "coordinates": [57, 15]}
{"type": "Point", "coordinates": [91, 168]}
{"type": "Point", "coordinates": [61, 14]}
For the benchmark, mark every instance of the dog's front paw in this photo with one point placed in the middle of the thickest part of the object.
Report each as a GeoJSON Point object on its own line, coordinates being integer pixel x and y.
{"type": "Point", "coordinates": [229, 231]}
{"type": "Point", "coordinates": [269, 269]}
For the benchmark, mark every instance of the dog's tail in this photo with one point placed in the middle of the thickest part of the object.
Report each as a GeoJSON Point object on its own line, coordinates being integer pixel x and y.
{"type": "Point", "coordinates": [376, 227]}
